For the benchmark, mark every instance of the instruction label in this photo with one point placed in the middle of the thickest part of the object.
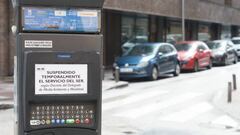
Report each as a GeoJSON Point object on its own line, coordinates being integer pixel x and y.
{"type": "Point", "coordinates": [38, 44]}
{"type": "Point", "coordinates": [55, 79]}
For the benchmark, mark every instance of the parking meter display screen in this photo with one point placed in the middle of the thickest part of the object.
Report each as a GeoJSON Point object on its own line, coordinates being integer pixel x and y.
{"type": "Point", "coordinates": [60, 20]}
{"type": "Point", "coordinates": [58, 79]}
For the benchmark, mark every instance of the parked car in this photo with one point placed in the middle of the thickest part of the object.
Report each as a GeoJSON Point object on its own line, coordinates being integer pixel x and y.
{"type": "Point", "coordinates": [236, 42]}
{"type": "Point", "coordinates": [223, 52]}
{"type": "Point", "coordinates": [132, 42]}
{"type": "Point", "coordinates": [194, 55]}
{"type": "Point", "coordinates": [148, 60]}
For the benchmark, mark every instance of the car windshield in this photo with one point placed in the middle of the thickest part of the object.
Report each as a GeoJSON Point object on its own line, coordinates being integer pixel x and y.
{"type": "Point", "coordinates": [183, 47]}
{"type": "Point", "coordinates": [215, 45]}
{"type": "Point", "coordinates": [236, 42]}
{"type": "Point", "coordinates": [141, 50]}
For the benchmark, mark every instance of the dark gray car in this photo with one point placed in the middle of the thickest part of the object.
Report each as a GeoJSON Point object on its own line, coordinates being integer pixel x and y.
{"type": "Point", "coordinates": [223, 52]}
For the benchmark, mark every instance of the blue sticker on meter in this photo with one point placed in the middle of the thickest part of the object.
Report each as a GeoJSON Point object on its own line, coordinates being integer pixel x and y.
{"type": "Point", "coordinates": [64, 56]}
{"type": "Point", "coordinates": [60, 20]}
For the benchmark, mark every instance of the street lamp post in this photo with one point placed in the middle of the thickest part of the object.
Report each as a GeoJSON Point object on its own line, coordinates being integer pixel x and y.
{"type": "Point", "coordinates": [183, 20]}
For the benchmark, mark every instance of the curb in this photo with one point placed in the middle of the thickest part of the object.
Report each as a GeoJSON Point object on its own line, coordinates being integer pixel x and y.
{"type": "Point", "coordinates": [2, 99]}
{"type": "Point", "coordinates": [6, 106]}
{"type": "Point", "coordinates": [8, 79]}
{"type": "Point", "coordinates": [118, 86]}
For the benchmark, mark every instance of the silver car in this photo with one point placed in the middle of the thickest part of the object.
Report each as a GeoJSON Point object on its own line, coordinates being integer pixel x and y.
{"type": "Point", "coordinates": [236, 41]}
{"type": "Point", "coordinates": [223, 52]}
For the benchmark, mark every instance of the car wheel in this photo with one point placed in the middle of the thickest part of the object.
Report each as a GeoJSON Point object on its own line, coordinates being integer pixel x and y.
{"type": "Point", "coordinates": [177, 70]}
{"type": "Point", "coordinates": [235, 59]}
{"type": "Point", "coordinates": [154, 74]}
{"type": "Point", "coordinates": [196, 66]}
{"type": "Point", "coordinates": [210, 64]}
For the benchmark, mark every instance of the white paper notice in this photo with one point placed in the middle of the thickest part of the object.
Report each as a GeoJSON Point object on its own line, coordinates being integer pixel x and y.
{"type": "Point", "coordinates": [55, 79]}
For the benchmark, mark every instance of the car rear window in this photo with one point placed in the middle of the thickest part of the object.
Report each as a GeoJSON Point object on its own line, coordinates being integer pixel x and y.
{"type": "Point", "coordinates": [214, 45]}
{"type": "Point", "coordinates": [235, 41]}
{"type": "Point", "coordinates": [183, 47]}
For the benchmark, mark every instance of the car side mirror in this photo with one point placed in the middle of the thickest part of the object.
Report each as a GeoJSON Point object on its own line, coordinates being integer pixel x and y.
{"type": "Point", "coordinates": [160, 54]}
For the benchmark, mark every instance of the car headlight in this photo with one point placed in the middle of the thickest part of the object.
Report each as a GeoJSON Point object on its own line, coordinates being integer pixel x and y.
{"type": "Point", "coordinates": [143, 64]}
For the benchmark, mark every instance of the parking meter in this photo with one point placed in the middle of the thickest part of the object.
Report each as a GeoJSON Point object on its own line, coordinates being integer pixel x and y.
{"type": "Point", "coordinates": [59, 51]}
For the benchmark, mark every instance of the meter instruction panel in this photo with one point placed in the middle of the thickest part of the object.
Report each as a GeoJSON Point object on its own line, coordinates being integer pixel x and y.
{"type": "Point", "coordinates": [60, 20]}
{"type": "Point", "coordinates": [61, 90]}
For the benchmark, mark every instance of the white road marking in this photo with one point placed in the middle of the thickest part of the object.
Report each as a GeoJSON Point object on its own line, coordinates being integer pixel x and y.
{"type": "Point", "coordinates": [113, 95]}
{"type": "Point", "coordinates": [148, 108]}
{"type": "Point", "coordinates": [226, 121]}
{"type": "Point", "coordinates": [188, 113]}
{"type": "Point", "coordinates": [132, 99]}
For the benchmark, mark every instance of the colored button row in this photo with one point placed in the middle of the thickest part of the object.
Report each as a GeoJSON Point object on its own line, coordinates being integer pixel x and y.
{"type": "Point", "coordinates": [59, 121]}
{"type": "Point", "coordinates": [71, 121]}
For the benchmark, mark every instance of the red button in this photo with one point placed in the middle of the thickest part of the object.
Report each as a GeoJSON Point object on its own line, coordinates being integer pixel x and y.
{"type": "Point", "coordinates": [78, 121]}
{"type": "Point", "coordinates": [86, 121]}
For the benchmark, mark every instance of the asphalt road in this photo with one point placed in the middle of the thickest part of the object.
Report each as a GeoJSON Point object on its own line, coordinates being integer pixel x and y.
{"type": "Point", "coordinates": [183, 105]}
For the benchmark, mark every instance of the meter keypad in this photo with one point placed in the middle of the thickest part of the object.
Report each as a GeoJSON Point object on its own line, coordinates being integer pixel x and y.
{"type": "Point", "coordinates": [48, 115]}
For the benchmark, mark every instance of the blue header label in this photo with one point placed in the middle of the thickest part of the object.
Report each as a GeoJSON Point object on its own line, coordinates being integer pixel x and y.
{"type": "Point", "coordinates": [60, 20]}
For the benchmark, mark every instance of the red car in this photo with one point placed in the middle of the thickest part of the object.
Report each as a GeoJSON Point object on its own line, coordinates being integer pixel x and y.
{"type": "Point", "coordinates": [194, 55]}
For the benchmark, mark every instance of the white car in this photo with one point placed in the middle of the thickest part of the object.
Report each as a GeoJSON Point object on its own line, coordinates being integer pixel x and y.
{"type": "Point", "coordinates": [236, 41]}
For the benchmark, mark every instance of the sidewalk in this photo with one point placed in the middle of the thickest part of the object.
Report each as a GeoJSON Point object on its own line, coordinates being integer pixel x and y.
{"type": "Point", "coordinates": [6, 88]}
{"type": "Point", "coordinates": [6, 93]}
{"type": "Point", "coordinates": [232, 109]}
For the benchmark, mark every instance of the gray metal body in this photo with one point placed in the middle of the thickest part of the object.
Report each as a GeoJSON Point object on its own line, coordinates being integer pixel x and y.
{"type": "Point", "coordinates": [84, 49]}
{"type": "Point", "coordinates": [84, 115]}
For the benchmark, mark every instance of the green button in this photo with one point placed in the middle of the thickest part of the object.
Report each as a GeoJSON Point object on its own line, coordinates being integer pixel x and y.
{"type": "Point", "coordinates": [70, 121]}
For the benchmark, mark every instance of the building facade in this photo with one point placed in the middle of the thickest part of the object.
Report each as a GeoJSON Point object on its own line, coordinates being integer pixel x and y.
{"type": "Point", "coordinates": [161, 21]}
{"type": "Point", "coordinates": [4, 38]}
{"type": "Point", "coordinates": [128, 21]}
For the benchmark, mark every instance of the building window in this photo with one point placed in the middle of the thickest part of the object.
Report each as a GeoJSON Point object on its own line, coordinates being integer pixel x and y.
{"type": "Point", "coordinates": [174, 31]}
{"type": "Point", "coordinates": [238, 31]}
{"type": "Point", "coordinates": [128, 24]}
{"type": "Point", "coordinates": [204, 32]}
{"type": "Point", "coordinates": [134, 29]}
{"type": "Point", "coordinates": [228, 2]}
{"type": "Point", "coordinates": [142, 28]}
{"type": "Point", "coordinates": [226, 32]}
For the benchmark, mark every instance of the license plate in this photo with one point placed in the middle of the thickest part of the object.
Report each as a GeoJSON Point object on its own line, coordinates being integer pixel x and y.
{"type": "Point", "coordinates": [126, 70]}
